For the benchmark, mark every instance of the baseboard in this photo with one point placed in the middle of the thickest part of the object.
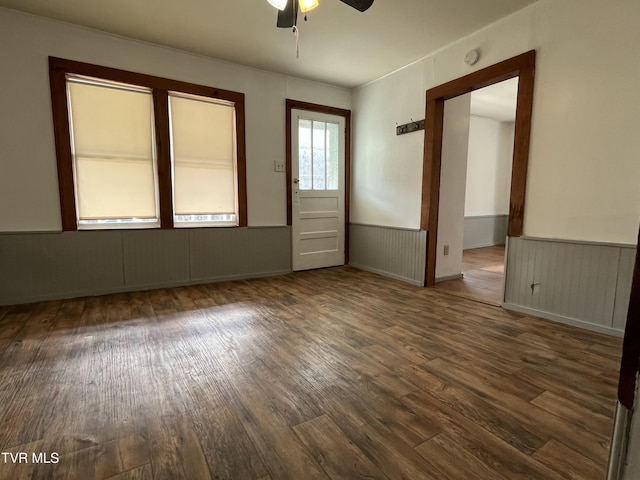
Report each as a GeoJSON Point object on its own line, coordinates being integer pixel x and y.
{"type": "Point", "coordinates": [387, 274]}
{"type": "Point", "coordinates": [446, 278]}
{"type": "Point", "coordinates": [139, 288]}
{"type": "Point", "coordinates": [561, 319]}
{"type": "Point", "coordinates": [230, 278]}
{"type": "Point", "coordinates": [484, 245]}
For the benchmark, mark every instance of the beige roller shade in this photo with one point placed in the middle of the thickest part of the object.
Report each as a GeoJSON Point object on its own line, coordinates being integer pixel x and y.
{"type": "Point", "coordinates": [203, 155]}
{"type": "Point", "coordinates": [112, 132]}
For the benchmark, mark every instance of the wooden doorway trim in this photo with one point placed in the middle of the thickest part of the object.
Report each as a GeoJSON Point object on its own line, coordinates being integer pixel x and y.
{"type": "Point", "coordinates": [523, 67]}
{"type": "Point", "coordinates": [630, 362]}
{"type": "Point", "coordinates": [340, 112]}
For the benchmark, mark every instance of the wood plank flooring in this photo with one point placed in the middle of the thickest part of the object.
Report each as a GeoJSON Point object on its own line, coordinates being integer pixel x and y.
{"type": "Point", "coordinates": [326, 374]}
{"type": "Point", "coordinates": [483, 276]}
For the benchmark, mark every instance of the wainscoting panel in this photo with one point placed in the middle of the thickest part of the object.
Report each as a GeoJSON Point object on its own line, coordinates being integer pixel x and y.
{"type": "Point", "coordinates": [218, 254]}
{"type": "Point", "coordinates": [40, 266]}
{"type": "Point", "coordinates": [393, 252]}
{"type": "Point", "coordinates": [155, 257]}
{"type": "Point", "coordinates": [46, 266]}
{"type": "Point", "coordinates": [485, 231]}
{"type": "Point", "coordinates": [623, 290]}
{"type": "Point", "coordinates": [577, 282]}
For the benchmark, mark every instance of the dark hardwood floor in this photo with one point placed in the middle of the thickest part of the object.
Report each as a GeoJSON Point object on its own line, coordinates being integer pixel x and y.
{"type": "Point", "coordinates": [333, 373]}
{"type": "Point", "coordinates": [483, 276]}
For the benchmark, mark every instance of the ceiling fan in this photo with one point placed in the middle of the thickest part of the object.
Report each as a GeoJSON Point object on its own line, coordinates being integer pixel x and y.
{"type": "Point", "coordinates": [288, 9]}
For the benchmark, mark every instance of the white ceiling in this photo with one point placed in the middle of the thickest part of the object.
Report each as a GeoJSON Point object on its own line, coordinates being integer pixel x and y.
{"type": "Point", "coordinates": [338, 45]}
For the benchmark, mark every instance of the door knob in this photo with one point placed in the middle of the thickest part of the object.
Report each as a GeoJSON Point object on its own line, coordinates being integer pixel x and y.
{"type": "Point", "coordinates": [296, 180]}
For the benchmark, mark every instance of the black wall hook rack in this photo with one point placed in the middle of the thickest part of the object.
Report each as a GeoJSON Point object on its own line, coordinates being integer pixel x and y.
{"type": "Point", "coordinates": [412, 126]}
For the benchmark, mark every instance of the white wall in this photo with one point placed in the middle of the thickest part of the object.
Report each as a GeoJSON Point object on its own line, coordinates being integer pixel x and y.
{"type": "Point", "coordinates": [455, 142]}
{"type": "Point", "coordinates": [584, 167]}
{"type": "Point", "coordinates": [488, 167]}
{"type": "Point", "coordinates": [28, 179]}
{"type": "Point", "coordinates": [387, 168]}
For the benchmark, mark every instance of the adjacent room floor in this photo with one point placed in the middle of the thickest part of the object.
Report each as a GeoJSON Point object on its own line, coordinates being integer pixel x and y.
{"type": "Point", "coordinates": [333, 373]}
{"type": "Point", "coordinates": [483, 276]}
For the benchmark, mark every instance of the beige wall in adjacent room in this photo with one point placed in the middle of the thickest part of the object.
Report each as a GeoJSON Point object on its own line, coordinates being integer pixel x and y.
{"type": "Point", "coordinates": [488, 167]}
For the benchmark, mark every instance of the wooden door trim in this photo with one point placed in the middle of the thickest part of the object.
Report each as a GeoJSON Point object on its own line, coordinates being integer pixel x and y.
{"type": "Point", "coordinates": [521, 66]}
{"type": "Point", "coordinates": [339, 112]}
{"type": "Point", "coordinates": [630, 362]}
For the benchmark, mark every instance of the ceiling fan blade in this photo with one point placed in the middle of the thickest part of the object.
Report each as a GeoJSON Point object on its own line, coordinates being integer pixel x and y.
{"type": "Point", "coordinates": [287, 17]}
{"type": "Point", "coordinates": [360, 5]}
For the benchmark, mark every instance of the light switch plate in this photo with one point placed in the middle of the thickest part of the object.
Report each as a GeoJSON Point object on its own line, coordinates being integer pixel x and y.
{"type": "Point", "coordinates": [278, 165]}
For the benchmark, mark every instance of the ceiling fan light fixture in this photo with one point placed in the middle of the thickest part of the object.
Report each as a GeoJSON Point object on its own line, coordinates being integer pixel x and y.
{"type": "Point", "coordinates": [279, 4]}
{"type": "Point", "coordinates": [307, 5]}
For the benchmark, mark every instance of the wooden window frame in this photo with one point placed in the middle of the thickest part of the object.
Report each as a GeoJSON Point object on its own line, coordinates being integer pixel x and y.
{"type": "Point", "coordinates": [59, 69]}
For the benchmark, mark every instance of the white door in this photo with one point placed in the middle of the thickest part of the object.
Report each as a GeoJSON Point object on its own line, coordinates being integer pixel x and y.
{"type": "Point", "coordinates": [318, 176]}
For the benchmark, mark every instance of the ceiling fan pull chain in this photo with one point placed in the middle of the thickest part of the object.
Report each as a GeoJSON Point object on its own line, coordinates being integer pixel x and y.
{"type": "Point", "coordinates": [296, 32]}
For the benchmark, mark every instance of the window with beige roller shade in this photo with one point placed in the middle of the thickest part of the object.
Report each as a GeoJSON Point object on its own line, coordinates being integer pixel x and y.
{"type": "Point", "coordinates": [138, 151]}
{"type": "Point", "coordinates": [113, 153]}
{"type": "Point", "coordinates": [203, 152]}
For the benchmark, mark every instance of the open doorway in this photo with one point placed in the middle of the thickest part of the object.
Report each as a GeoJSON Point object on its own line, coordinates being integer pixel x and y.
{"type": "Point", "coordinates": [477, 154]}
{"type": "Point", "coordinates": [521, 67]}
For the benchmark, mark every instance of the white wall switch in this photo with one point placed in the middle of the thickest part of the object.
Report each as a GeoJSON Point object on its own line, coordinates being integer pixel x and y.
{"type": "Point", "coordinates": [278, 165]}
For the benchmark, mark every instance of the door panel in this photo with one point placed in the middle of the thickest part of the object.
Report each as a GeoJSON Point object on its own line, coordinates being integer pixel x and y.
{"type": "Point", "coordinates": [318, 176]}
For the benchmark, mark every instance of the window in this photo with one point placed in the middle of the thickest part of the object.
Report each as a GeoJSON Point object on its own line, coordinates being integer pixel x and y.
{"type": "Point", "coordinates": [137, 151]}
{"type": "Point", "coordinates": [203, 160]}
{"type": "Point", "coordinates": [318, 156]}
{"type": "Point", "coordinates": [113, 154]}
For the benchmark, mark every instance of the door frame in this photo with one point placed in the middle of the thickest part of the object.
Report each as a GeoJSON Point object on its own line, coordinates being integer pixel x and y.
{"type": "Point", "coordinates": [521, 66]}
{"type": "Point", "coordinates": [630, 361]}
{"type": "Point", "coordinates": [339, 112]}
{"type": "Point", "coordinates": [627, 380]}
